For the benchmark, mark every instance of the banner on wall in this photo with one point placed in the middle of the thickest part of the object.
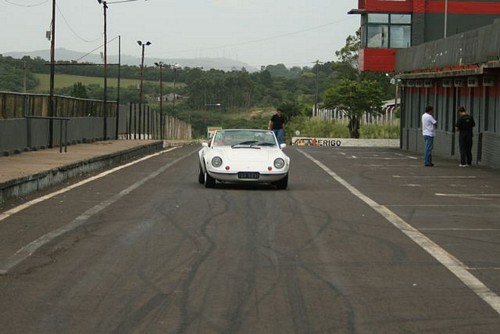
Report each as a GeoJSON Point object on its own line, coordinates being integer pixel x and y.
{"type": "Point", "coordinates": [346, 142]}
{"type": "Point", "coordinates": [211, 130]}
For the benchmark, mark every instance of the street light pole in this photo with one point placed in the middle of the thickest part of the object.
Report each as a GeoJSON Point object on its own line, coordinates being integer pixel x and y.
{"type": "Point", "coordinates": [105, 60]}
{"type": "Point", "coordinates": [52, 112]}
{"type": "Point", "coordinates": [315, 111]}
{"type": "Point", "coordinates": [143, 46]}
{"type": "Point", "coordinates": [118, 86]}
{"type": "Point", "coordinates": [105, 98]}
{"type": "Point", "coordinates": [174, 97]}
{"type": "Point", "coordinates": [160, 65]}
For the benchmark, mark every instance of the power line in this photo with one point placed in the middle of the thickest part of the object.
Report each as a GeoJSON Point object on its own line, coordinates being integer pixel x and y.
{"type": "Point", "coordinates": [97, 48]}
{"type": "Point", "coordinates": [263, 39]}
{"type": "Point", "coordinates": [72, 30]}
{"type": "Point", "coordinates": [26, 6]}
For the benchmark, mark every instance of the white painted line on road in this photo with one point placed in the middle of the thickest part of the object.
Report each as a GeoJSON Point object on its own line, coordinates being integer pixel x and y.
{"type": "Point", "coordinates": [406, 156]}
{"type": "Point", "coordinates": [446, 259]}
{"type": "Point", "coordinates": [26, 205]}
{"type": "Point", "coordinates": [26, 251]}
{"type": "Point", "coordinates": [467, 195]}
{"type": "Point", "coordinates": [382, 158]}
{"type": "Point", "coordinates": [445, 205]}
{"type": "Point", "coordinates": [434, 176]}
{"type": "Point", "coordinates": [457, 229]}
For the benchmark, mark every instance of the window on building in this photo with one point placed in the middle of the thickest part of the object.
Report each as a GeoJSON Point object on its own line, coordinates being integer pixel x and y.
{"type": "Point", "coordinates": [386, 31]}
{"type": "Point", "coordinates": [377, 36]}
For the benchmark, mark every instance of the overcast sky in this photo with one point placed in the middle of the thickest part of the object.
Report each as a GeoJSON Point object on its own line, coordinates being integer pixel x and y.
{"type": "Point", "coordinates": [257, 32]}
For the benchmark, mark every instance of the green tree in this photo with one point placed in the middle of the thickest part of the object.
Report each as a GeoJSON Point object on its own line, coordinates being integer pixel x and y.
{"type": "Point", "coordinates": [347, 67]}
{"type": "Point", "coordinates": [290, 109]}
{"type": "Point", "coordinates": [350, 52]}
{"type": "Point", "coordinates": [79, 90]}
{"type": "Point", "coordinates": [278, 70]}
{"type": "Point", "coordinates": [265, 78]}
{"type": "Point", "coordinates": [16, 75]}
{"type": "Point", "coordinates": [354, 98]}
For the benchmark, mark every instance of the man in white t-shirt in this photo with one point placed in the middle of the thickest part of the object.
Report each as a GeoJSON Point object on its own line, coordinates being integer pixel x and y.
{"type": "Point", "coordinates": [428, 131]}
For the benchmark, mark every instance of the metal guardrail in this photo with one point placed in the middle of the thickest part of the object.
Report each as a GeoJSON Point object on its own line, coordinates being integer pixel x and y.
{"type": "Point", "coordinates": [18, 105]}
{"type": "Point", "coordinates": [64, 124]}
{"type": "Point", "coordinates": [88, 122]}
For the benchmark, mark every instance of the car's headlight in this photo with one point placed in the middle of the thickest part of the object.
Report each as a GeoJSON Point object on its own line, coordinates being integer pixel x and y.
{"type": "Point", "coordinates": [279, 163]}
{"type": "Point", "coordinates": [216, 161]}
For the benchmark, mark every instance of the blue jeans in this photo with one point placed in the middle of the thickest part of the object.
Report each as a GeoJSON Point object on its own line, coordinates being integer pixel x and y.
{"type": "Point", "coordinates": [280, 135]}
{"type": "Point", "coordinates": [428, 145]}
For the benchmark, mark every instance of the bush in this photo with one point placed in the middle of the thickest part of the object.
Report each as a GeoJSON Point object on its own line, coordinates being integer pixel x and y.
{"type": "Point", "coordinates": [376, 131]}
{"type": "Point", "coordinates": [313, 127]}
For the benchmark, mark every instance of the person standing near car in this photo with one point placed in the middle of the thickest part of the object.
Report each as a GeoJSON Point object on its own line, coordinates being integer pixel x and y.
{"type": "Point", "coordinates": [429, 125]}
{"type": "Point", "coordinates": [277, 124]}
{"type": "Point", "coordinates": [464, 126]}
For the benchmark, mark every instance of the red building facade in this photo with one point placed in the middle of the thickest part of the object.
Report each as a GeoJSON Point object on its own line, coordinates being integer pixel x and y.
{"type": "Point", "coordinates": [444, 53]}
{"type": "Point", "coordinates": [389, 25]}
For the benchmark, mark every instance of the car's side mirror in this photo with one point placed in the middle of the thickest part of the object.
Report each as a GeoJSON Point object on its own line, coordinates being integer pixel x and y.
{"type": "Point", "coordinates": [205, 144]}
{"type": "Point", "coordinates": [282, 146]}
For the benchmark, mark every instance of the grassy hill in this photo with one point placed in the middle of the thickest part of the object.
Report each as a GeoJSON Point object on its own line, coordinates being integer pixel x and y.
{"type": "Point", "coordinates": [66, 80]}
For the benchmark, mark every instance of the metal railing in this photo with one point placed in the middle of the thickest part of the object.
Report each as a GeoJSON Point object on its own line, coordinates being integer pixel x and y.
{"type": "Point", "coordinates": [26, 122]}
{"type": "Point", "coordinates": [63, 125]}
{"type": "Point", "coordinates": [18, 105]}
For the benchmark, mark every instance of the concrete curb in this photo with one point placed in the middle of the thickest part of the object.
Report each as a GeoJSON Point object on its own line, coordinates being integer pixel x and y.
{"type": "Point", "coordinates": [28, 184]}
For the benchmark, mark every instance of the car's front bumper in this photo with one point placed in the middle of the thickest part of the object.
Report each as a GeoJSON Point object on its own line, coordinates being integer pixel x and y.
{"type": "Point", "coordinates": [234, 177]}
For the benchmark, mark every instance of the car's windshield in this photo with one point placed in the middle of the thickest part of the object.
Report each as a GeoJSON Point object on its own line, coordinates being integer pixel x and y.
{"type": "Point", "coordinates": [244, 138]}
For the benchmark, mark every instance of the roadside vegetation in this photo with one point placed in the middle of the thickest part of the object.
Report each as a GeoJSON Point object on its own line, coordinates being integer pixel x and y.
{"type": "Point", "coordinates": [233, 99]}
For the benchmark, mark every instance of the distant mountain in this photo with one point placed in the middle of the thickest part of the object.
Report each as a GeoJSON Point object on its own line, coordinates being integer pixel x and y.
{"type": "Point", "coordinates": [223, 64]}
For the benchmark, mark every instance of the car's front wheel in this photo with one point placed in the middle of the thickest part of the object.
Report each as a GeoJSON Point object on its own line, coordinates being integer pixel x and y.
{"type": "Point", "coordinates": [282, 184]}
{"type": "Point", "coordinates": [209, 181]}
{"type": "Point", "coordinates": [201, 176]}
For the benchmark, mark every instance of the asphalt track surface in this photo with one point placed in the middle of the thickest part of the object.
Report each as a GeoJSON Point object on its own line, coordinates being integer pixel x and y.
{"type": "Point", "coordinates": [365, 240]}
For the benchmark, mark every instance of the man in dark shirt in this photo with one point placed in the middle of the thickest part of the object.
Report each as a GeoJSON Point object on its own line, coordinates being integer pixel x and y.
{"type": "Point", "coordinates": [464, 126]}
{"type": "Point", "coordinates": [277, 124]}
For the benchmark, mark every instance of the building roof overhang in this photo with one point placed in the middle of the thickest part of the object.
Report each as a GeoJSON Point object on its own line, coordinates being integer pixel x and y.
{"type": "Point", "coordinates": [461, 71]}
{"type": "Point", "coordinates": [357, 11]}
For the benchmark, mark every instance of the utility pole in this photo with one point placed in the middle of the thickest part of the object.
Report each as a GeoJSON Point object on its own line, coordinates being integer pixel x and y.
{"type": "Point", "coordinates": [52, 71]}
{"type": "Point", "coordinates": [141, 88]}
{"type": "Point", "coordinates": [118, 86]}
{"type": "Point", "coordinates": [174, 67]}
{"type": "Point", "coordinates": [24, 76]}
{"type": "Point", "coordinates": [160, 65]}
{"type": "Point", "coordinates": [316, 97]}
{"type": "Point", "coordinates": [105, 98]}
{"type": "Point", "coordinates": [105, 61]}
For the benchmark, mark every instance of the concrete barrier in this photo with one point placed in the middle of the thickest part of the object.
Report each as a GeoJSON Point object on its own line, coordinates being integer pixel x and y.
{"type": "Point", "coordinates": [344, 142]}
{"type": "Point", "coordinates": [31, 183]}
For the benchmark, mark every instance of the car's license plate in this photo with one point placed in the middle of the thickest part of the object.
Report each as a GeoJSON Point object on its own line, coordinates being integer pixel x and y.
{"type": "Point", "coordinates": [248, 175]}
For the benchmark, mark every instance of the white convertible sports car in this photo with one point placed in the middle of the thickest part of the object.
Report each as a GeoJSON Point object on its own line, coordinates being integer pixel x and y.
{"type": "Point", "coordinates": [243, 156]}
